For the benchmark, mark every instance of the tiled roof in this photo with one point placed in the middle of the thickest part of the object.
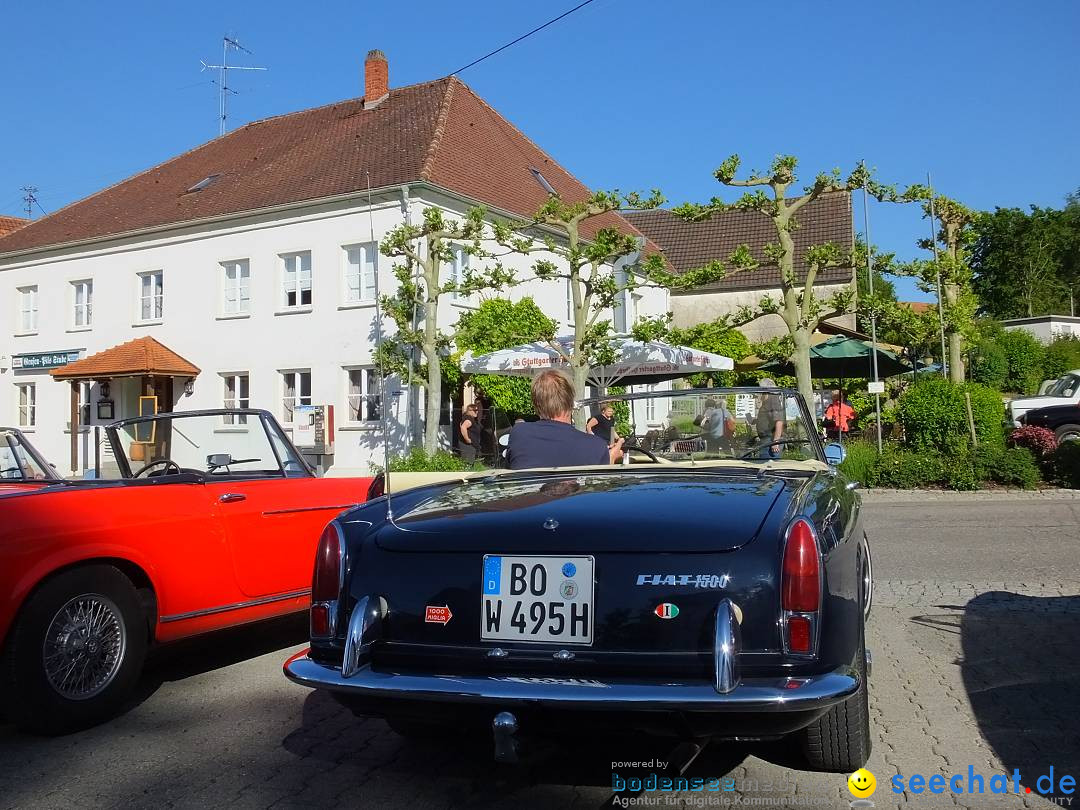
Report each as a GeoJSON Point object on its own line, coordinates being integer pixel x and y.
{"type": "Point", "coordinates": [11, 224]}
{"type": "Point", "coordinates": [918, 307]}
{"type": "Point", "coordinates": [689, 245]}
{"type": "Point", "coordinates": [439, 132]}
{"type": "Point", "coordinates": [135, 358]}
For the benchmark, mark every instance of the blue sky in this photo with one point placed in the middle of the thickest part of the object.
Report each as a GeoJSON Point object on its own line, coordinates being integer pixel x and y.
{"type": "Point", "coordinates": [625, 93]}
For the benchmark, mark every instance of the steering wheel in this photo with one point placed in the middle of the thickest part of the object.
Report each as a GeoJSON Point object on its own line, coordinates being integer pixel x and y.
{"type": "Point", "coordinates": [166, 463]}
{"type": "Point", "coordinates": [628, 447]}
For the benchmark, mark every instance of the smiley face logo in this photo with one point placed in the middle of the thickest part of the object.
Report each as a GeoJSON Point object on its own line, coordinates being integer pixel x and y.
{"type": "Point", "coordinates": [861, 783]}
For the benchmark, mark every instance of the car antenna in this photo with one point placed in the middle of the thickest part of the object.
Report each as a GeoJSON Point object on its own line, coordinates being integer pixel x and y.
{"type": "Point", "coordinates": [379, 368]}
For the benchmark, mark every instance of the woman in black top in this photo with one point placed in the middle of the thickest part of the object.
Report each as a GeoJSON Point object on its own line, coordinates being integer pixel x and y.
{"type": "Point", "coordinates": [603, 424]}
{"type": "Point", "coordinates": [469, 430]}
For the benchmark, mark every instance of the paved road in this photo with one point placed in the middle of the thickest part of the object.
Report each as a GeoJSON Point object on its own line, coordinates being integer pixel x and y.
{"type": "Point", "coordinates": [976, 636]}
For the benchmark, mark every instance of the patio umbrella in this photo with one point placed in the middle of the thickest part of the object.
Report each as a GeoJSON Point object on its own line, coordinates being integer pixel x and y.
{"type": "Point", "coordinates": [844, 357]}
{"type": "Point", "coordinates": [636, 362]}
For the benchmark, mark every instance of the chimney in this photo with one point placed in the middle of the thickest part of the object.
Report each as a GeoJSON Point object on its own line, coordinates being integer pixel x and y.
{"type": "Point", "coordinates": [376, 78]}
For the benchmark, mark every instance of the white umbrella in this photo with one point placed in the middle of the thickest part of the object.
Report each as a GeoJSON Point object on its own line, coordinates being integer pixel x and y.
{"type": "Point", "coordinates": [636, 362]}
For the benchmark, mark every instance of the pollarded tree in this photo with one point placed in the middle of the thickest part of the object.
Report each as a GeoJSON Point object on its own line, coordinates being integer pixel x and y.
{"type": "Point", "coordinates": [798, 305]}
{"type": "Point", "coordinates": [599, 262]}
{"type": "Point", "coordinates": [427, 249]}
{"type": "Point", "coordinates": [955, 237]}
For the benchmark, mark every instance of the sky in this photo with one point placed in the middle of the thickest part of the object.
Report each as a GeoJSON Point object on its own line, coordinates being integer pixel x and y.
{"type": "Point", "coordinates": [628, 94]}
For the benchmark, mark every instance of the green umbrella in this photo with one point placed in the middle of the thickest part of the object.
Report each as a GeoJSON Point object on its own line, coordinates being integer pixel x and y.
{"type": "Point", "coordinates": [844, 357]}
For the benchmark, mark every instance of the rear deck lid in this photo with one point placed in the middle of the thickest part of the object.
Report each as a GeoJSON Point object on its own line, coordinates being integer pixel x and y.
{"type": "Point", "coordinates": [594, 512]}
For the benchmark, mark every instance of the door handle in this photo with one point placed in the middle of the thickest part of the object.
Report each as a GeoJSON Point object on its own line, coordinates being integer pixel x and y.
{"type": "Point", "coordinates": [231, 497]}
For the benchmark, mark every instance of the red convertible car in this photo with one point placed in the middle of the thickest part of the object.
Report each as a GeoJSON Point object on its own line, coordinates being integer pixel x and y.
{"type": "Point", "coordinates": [198, 521]}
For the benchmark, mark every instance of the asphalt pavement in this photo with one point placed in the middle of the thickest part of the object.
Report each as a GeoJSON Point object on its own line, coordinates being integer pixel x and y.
{"type": "Point", "coordinates": [976, 641]}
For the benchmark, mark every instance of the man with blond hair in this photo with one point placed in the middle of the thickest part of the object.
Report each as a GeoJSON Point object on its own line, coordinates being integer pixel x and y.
{"type": "Point", "coordinates": [552, 440]}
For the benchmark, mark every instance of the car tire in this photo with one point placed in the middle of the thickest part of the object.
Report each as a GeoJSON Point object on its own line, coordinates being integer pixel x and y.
{"type": "Point", "coordinates": [1067, 433]}
{"type": "Point", "coordinates": [839, 741]}
{"type": "Point", "coordinates": [75, 651]}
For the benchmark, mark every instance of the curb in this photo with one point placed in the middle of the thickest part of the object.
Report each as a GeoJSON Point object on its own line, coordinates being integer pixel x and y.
{"type": "Point", "coordinates": [938, 495]}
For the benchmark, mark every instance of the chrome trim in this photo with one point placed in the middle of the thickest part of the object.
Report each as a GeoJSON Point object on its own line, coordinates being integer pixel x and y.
{"type": "Point", "coordinates": [497, 652]}
{"type": "Point", "coordinates": [868, 580]}
{"type": "Point", "coordinates": [360, 636]}
{"type": "Point", "coordinates": [232, 497]}
{"type": "Point", "coordinates": [338, 506]}
{"type": "Point", "coordinates": [776, 694]}
{"type": "Point", "coordinates": [235, 606]}
{"type": "Point", "coordinates": [563, 655]}
{"type": "Point", "coordinates": [727, 639]}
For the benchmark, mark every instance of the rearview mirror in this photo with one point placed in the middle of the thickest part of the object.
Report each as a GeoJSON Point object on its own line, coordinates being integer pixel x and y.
{"type": "Point", "coordinates": [218, 460]}
{"type": "Point", "coordinates": [835, 453]}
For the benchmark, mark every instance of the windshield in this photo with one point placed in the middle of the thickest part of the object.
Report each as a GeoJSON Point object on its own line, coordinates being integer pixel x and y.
{"type": "Point", "coordinates": [19, 462]}
{"type": "Point", "coordinates": [740, 423]}
{"type": "Point", "coordinates": [218, 443]}
{"type": "Point", "coordinates": [1065, 387]}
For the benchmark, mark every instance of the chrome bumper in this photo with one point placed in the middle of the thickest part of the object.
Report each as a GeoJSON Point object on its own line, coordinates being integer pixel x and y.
{"type": "Point", "coordinates": [751, 695]}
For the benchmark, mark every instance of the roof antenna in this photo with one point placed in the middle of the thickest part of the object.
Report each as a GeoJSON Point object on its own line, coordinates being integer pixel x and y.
{"type": "Point", "coordinates": [223, 80]}
{"type": "Point", "coordinates": [383, 404]}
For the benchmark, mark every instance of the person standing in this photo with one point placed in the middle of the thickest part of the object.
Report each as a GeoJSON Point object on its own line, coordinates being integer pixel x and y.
{"type": "Point", "coordinates": [603, 424]}
{"type": "Point", "coordinates": [469, 430]}
{"type": "Point", "coordinates": [769, 422]}
{"type": "Point", "coordinates": [717, 426]}
{"type": "Point", "coordinates": [838, 416]}
{"type": "Point", "coordinates": [552, 440]}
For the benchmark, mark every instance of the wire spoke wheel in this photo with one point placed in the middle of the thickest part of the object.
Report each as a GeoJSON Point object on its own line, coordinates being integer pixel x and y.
{"type": "Point", "coordinates": [84, 646]}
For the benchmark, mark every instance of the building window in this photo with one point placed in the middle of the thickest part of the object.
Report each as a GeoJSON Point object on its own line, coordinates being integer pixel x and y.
{"type": "Point", "coordinates": [236, 287]}
{"type": "Point", "coordinates": [361, 265]}
{"type": "Point", "coordinates": [84, 403]}
{"type": "Point", "coordinates": [363, 398]}
{"type": "Point", "coordinates": [295, 391]}
{"type": "Point", "coordinates": [650, 406]}
{"type": "Point", "coordinates": [296, 280]}
{"type": "Point", "coordinates": [28, 309]}
{"type": "Point", "coordinates": [236, 396]}
{"type": "Point", "coordinates": [27, 396]}
{"type": "Point", "coordinates": [151, 296]}
{"type": "Point", "coordinates": [459, 267]}
{"type": "Point", "coordinates": [82, 299]}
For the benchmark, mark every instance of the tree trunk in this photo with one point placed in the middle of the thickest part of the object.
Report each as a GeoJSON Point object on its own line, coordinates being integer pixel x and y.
{"type": "Point", "coordinates": [956, 356]}
{"type": "Point", "coordinates": [800, 358]}
{"type": "Point", "coordinates": [580, 377]}
{"type": "Point", "coordinates": [433, 401]}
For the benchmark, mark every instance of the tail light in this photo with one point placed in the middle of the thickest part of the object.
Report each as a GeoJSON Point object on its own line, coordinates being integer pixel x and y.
{"type": "Point", "coordinates": [800, 589]}
{"type": "Point", "coordinates": [326, 582]}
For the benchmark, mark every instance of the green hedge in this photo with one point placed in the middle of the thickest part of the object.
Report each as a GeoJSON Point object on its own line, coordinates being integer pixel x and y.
{"type": "Point", "coordinates": [1063, 465]}
{"type": "Point", "coordinates": [903, 468]}
{"type": "Point", "coordinates": [416, 460]}
{"type": "Point", "coordinates": [1024, 355]}
{"type": "Point", "coordinates": [1062, 355]}
{"type": "Point", "coordinates": [934, 415]}
{"type": "Point", "coordinates": [989, 365]}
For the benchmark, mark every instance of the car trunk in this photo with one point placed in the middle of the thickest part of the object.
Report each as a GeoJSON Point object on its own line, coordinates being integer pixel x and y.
{"type": "Point", "coordinates": [654, 591]}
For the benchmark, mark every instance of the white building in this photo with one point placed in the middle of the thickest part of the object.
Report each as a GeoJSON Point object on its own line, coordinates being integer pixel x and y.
{"type": "Point", "coordinates": [253, 258]}
{"type": "Point", "coordinates": [1046, 328]}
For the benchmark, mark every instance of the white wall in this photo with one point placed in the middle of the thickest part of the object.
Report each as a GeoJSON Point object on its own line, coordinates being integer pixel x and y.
{"type": "Point", "coordinates": [325, 339]}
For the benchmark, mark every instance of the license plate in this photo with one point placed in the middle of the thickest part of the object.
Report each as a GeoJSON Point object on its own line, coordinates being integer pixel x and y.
{"type": "Point", "coordinates": [542, 599]}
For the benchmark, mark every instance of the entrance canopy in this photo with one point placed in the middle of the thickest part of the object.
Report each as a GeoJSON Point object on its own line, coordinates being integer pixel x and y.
{"type": "Point", "coordinates": [143, 357]}
{"type": "Point", "coordinates": [635, 362]}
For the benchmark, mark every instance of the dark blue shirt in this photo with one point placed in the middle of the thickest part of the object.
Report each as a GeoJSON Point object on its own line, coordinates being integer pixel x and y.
{"type": "Point", "coordinates": [547, 443]}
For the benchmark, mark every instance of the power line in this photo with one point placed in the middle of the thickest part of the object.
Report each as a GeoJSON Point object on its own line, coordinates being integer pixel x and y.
{"type": "Point", "coordinates": [523, 36]}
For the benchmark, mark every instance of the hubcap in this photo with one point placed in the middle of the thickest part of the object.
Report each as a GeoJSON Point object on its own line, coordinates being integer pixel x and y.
{"type": "Point", "coordinates": [84, 646]}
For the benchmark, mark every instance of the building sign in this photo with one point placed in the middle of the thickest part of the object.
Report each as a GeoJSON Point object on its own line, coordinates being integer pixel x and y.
{"type": "Point", "coordinates": [43, 360]}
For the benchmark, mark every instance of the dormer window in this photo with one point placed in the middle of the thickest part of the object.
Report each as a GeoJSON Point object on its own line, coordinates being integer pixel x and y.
{"type": "Point", "coordinates": [204, 183]}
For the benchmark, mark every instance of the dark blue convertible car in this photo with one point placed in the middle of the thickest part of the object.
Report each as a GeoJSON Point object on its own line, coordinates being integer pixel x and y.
{"type": "Point", "coordinates": [714, 585]}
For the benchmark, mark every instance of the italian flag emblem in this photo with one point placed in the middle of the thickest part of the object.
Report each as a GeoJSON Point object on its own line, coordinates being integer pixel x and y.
{"type": "Point", "coordinates": [666, 610]}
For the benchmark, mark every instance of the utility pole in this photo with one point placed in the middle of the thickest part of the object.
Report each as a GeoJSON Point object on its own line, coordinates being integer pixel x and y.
{"type": "Point", "coordinates": [30, 200]}
{"type": "Point", "coordinates": [223, 78]}
{"type": "Point", "coordinates": [937, 267]}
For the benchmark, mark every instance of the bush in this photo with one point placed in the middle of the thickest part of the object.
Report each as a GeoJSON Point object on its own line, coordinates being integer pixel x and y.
{"type": "Point", "coordinates": [989, 366]}
{"type": "Point", "coordinates": [1039, 440]}
{"type": "Point", "coordinates": [906, 469]}
{"type": "Point", "coordinates": [858, 465]}
{"type": "Point", "coordinates": [1024, 355]}
{"type": "Point", "coordinates": [416, 460]}
{"type": "Point", "coordinates": [934, 415]}
{"type": "Point", "coordinates": [1062, 355]}
{"type": "Point", "coordinates": [960, 474]}
{"type": "Point", "coordinates": [1017, 468]}
{"type": "Point", "coordinates": [1063, 465]}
